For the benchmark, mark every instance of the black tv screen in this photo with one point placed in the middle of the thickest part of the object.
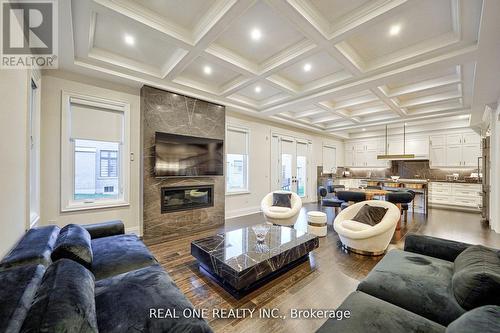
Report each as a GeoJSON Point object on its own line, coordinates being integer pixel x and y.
{"type": "Point", "coordinates": [188, 156]}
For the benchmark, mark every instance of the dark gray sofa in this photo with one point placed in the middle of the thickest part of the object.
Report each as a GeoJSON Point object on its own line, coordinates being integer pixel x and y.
{"type": "Point", "coordinates": [113, 294]}
{"type": "Point", "coordinates": [428, 287]}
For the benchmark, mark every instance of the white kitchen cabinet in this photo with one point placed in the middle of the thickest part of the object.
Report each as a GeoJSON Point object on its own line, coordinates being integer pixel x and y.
{"type": "Point", "coordinates": [453, 155]}
{"type": "Point", "coordinates": [437, 140]}
{"type": "Point", "coordinates": [437, 156]}
{"type": "Point", "coordinates": [349, 158]}
{"type": "Point", "coordinates": [359, 158]}
{"type": "Point", "coordinates": [469, 138]}
{"type": "Point", "coordinates": [454, 139]}
{"type": "Point", "coordinates": [460, 150]}
{"type": "Point", "coordinates": [470, 154]}
{"type": "Point", "coordinates": [453, 195]}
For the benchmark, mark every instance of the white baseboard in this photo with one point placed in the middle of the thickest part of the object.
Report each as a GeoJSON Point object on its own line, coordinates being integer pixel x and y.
{"type": "Point", "coordinates": [133, 230]}
{"type": "Point", "coordinates": [242, 212]}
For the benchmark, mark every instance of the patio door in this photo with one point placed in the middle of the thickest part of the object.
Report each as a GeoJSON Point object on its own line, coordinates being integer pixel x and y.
{"type": "Point", "coordinates": [290, 158]}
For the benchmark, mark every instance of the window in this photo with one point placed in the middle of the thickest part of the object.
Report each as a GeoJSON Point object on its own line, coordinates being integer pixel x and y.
{"type": "Point", "coordinates": [90, 183]}
{"type": "Point", "coordinates": [237, 160]}
{"type": "Point", "coordinates": [94, 170]}
{"type": "Point", "coordinates": [109, 163]}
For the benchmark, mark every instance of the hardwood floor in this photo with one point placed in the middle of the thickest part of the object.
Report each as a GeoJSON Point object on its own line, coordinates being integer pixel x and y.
{"type": "Point", "coordinates": [322, 283]}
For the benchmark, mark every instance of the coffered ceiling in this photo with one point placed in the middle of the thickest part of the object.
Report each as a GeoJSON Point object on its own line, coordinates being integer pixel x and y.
{"type": "Point", "coordinates": [331, 66]}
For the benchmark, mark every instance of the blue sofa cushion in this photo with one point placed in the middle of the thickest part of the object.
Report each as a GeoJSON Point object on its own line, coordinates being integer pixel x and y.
{"type": "Point", "coordinates": [34, 247]}
{"type": "Point", "coordinates": [119, 254]}
{"type": "Point", "coordinates": [476, 280]}
{"type": "Point", "coordinates": [485, 319]}
{"type": "Point", "coordinates": [64, 302]}
{"type": "Point", "coordinates": [18, 288]}
{"type": "Point", "coordinates": [370, 314]}
{"type": "Point", "coordinates": [137, 292]}
{"type": "Point", "coordinates": [73, 243]}
{"type": "Point", "coordinates": [417, 283]}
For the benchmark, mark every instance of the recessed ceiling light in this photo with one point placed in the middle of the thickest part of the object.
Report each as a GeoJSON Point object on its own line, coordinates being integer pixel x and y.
{"type": "Point", "coordinates": [307, 67]}
{"type": "Point", "coordinates": [129, 40]}
{"type": "Point", "coordinates": [364, 129]}
{"type": "Point", "coordinates": [258, 89]}
{"type": "Point", "coordinates": [395, 29]}
{"type": "Point", "coordinates": [256, 34]}
{"type": "Point", "coordinates": [207, 70]}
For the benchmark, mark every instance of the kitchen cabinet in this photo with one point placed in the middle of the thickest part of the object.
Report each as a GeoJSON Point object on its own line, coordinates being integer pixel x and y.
{"type": "Point", "coordinates": [454, 139]}
{"type": "Point", "coordinates": [470, 154]}
{"type": "Point", "coordinates": [437, 156]}
{"type": "Point", "coordinates": [454, 150]}
{"type": "Point", "coordinates": [349, 182]}
{"type": "Point", "coordinates": [453, 155]}
{"type": "Point", "coordinates": [437, 140]}
{"type": "Point", "coordinates": [455, 195]}
{"type": "Point", "coordinates": [363, 154]}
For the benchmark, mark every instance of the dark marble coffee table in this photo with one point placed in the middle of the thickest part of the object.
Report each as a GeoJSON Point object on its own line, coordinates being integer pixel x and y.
{"type": "Point", "coordinates": [244, 259]}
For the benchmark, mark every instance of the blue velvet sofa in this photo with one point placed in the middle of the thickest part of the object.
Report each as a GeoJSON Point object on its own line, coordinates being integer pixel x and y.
{"type": "Point", "coordinates": [434, 285]}
{"type": "Point", "coordinates": [114, 284]}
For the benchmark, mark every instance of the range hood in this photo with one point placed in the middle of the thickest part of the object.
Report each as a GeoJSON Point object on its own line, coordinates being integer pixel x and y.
{"type": "Point", "coordinates": [397, 157]}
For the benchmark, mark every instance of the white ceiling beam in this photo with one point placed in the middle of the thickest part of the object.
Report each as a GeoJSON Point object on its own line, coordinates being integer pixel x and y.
{"type": "Point", "coordinates": [424, 85]}
{"type": "Point", "coordinates": [396, 121]}
{"type": "Point", "coordinates": [449, 59]}
{"type": "Point", "coordinates": [431, 99]}
{"type": "Point", "coordinates": [377, 91]}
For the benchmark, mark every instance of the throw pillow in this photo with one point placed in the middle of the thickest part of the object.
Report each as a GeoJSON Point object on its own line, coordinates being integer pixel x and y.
{"type": "Point", "coordinates": [282, 199]}
{"type": "Point", "coordinates": [64, 302]}
{"type": "Point", "coordinates": [476, 277]}
{"type": "Point", "coordinates": [370, 215]}
{"type": "Point", "coordinates": [73, 243]}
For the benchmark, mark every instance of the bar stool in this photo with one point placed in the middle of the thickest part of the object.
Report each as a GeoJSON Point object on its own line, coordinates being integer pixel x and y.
{"type": "Point", "coordinates": [350, 196]}
{"type": "Point", "coordinates": [401, 199]}
{"type": "Point", "coordinates": [329, 202]}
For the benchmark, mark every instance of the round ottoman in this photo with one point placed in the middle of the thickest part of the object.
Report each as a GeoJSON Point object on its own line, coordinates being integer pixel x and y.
{"type": "Point", "coordinates": [316, 223]}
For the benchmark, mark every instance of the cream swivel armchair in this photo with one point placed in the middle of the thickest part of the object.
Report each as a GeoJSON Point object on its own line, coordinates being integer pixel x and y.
{"type": "Point", "coordinates": [363, 238]}
{"type": "Point", "coordinates": [281, 215]}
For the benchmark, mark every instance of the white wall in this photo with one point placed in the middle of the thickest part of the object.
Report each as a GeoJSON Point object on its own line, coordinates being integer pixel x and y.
{"type": "Point", "coordinates": [14, 204]}
{"type": "Point", "coordinates": [53, 83]}
{"type": "Point", "coordinates": [260, 161]}
{"type": "Point", "coordinates": [494, 170]}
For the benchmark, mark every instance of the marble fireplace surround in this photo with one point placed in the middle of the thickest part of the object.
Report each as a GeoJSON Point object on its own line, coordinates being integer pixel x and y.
{"type": "Point", "coordinates": [163, 111]}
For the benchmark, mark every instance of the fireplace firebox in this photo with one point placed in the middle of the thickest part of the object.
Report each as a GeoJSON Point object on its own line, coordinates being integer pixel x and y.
{"type": "Point", "coordinates": [174, 199]}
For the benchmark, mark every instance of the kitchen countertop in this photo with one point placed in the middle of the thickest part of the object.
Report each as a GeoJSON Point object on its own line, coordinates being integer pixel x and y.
{"type": "Point", "coordinates": [411, 181]}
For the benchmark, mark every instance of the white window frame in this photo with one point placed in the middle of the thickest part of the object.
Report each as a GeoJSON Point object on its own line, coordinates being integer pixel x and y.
{"type": "Point", "coordinates": [245, 130]}
{"type": "Point", "coordinates": [34, 99]}
{"type": "Point", "coordinates": [68, 203]}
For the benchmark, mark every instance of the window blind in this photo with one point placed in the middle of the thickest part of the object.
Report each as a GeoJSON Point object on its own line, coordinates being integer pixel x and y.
{"type": "Point", "coordinates": [94, 123]}
{"type": "Point", "coordinates": [236, 141]}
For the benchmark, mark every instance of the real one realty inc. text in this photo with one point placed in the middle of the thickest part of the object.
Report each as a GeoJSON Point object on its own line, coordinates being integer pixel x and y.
{"type": "Point", "coordinates": [241, 313]}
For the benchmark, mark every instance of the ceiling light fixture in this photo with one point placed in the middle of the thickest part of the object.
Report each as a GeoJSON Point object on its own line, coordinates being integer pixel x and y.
{"type": "Point", "coordinates": [258, 89]}
{"type": "Point", "coordinates": [307, 67]}
{"type": "Point", "coordinates": [207, 70]}
{"type": "Point", "coordinates": [129, 40]}
{"type": "Point", "coordinates": [256, 34]}
{"type": "Point", "coordinates": [394, 30]}
{"type": "Point", "coordinates": [364, 129]}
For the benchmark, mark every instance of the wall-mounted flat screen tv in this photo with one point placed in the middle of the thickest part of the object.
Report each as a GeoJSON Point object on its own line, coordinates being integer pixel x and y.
{"type": "Point", "coordinates": [188, 156]}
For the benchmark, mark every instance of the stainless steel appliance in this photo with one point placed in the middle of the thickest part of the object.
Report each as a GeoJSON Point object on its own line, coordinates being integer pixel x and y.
{"type": "Point", "coordinates": [484, 169]}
